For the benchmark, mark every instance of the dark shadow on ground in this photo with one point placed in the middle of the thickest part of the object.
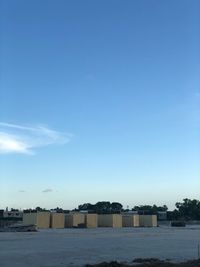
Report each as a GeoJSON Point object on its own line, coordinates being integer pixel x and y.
{"type": "Point", "coordinates": [151, 262]}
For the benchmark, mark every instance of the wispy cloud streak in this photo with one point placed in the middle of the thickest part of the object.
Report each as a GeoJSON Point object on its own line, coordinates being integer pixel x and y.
{"type": "Point", "coordinates": [48, 190]}
{"type": "Point", "coordinates": [16, 138]}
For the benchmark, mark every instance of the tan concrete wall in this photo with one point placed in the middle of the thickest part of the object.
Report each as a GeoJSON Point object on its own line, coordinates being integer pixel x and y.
{"type": "Point", "coordinates": [148, 220]}
{"type": "Point", "coordinates": [30, 218]}
{"type": "Point", "coordinates": [74, 219]}
{"type": "Point", "coordinates": [110, 220]}
{"type": "Point", "coordinates": [104, 220]}
{"type": "Point", "coordinates": [130, 220]}
{"type": "Point", "coordinates": [43, 219]}
{"type": "Point", "coordinates": [136, 220]}
{"type": "Point", "coordinates": [155, 221]}
{"type": "Point", "coordinates": [127, 220]}
{"type": "Point", "coordinates": [57, 220]}
{"type": "Point", "coordinates": [91, 220]}
{"type": "Point", "coordinates": [68, 220]}
{"type": "Point", "coordinates": [40, 219]}
{"type": "Point", "coordinates": [78, 218]}
{"type": "Point", "coordinates": [117, 220]}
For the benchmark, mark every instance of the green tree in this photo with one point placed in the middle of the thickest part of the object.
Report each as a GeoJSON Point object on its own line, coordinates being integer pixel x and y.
{"type": "Point", "coordinates": [116, 207]}
{"type": "Point", "coordinates": [189, 209]}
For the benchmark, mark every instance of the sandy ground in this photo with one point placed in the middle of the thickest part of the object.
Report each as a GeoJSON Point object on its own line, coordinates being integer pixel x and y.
{"type": "Point", "coordinates": [76, 247]}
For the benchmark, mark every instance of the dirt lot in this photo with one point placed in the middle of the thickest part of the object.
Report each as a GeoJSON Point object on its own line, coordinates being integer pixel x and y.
{"type": "Point", "coordinates": [77, 247]}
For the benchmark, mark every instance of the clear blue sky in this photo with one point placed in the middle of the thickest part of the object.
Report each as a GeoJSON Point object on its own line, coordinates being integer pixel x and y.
{"type": "Point", "coordinates": [99, 100]}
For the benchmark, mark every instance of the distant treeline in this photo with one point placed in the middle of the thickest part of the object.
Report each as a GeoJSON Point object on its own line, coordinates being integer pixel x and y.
{"type": "Point", "coordinates": [106, 207]}
{"type": "Point", "coordinates": [189, 209]}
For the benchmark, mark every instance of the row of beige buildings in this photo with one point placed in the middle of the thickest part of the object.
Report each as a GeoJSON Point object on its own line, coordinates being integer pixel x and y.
{"type": "Point", "coordinates": [81, 220]}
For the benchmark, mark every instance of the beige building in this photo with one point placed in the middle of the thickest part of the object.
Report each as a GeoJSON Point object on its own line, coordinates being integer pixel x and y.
{"type": "Point", "coordinates": [148, 220]}
{"type": "Point", "coordinates": [74, 220]}
{"type": "Point", "coordinates": [130, 220]}
{"type": "Point", "coordinates": [91, 220]}
{"type": "Point", "coordinates": [12, 214]}
{"type": "Point", "coordinates": [57, 220]}
{"type": "Point", "coordinates": [40, 219]}
{"type": "Point", "coordinates": [110, 220]}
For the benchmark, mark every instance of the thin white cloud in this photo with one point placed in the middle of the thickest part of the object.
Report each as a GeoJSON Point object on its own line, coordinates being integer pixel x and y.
{"type": "Point", "coordinates": [48, 190]}
{"type": "Point", "coordinates": [16, 138]}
